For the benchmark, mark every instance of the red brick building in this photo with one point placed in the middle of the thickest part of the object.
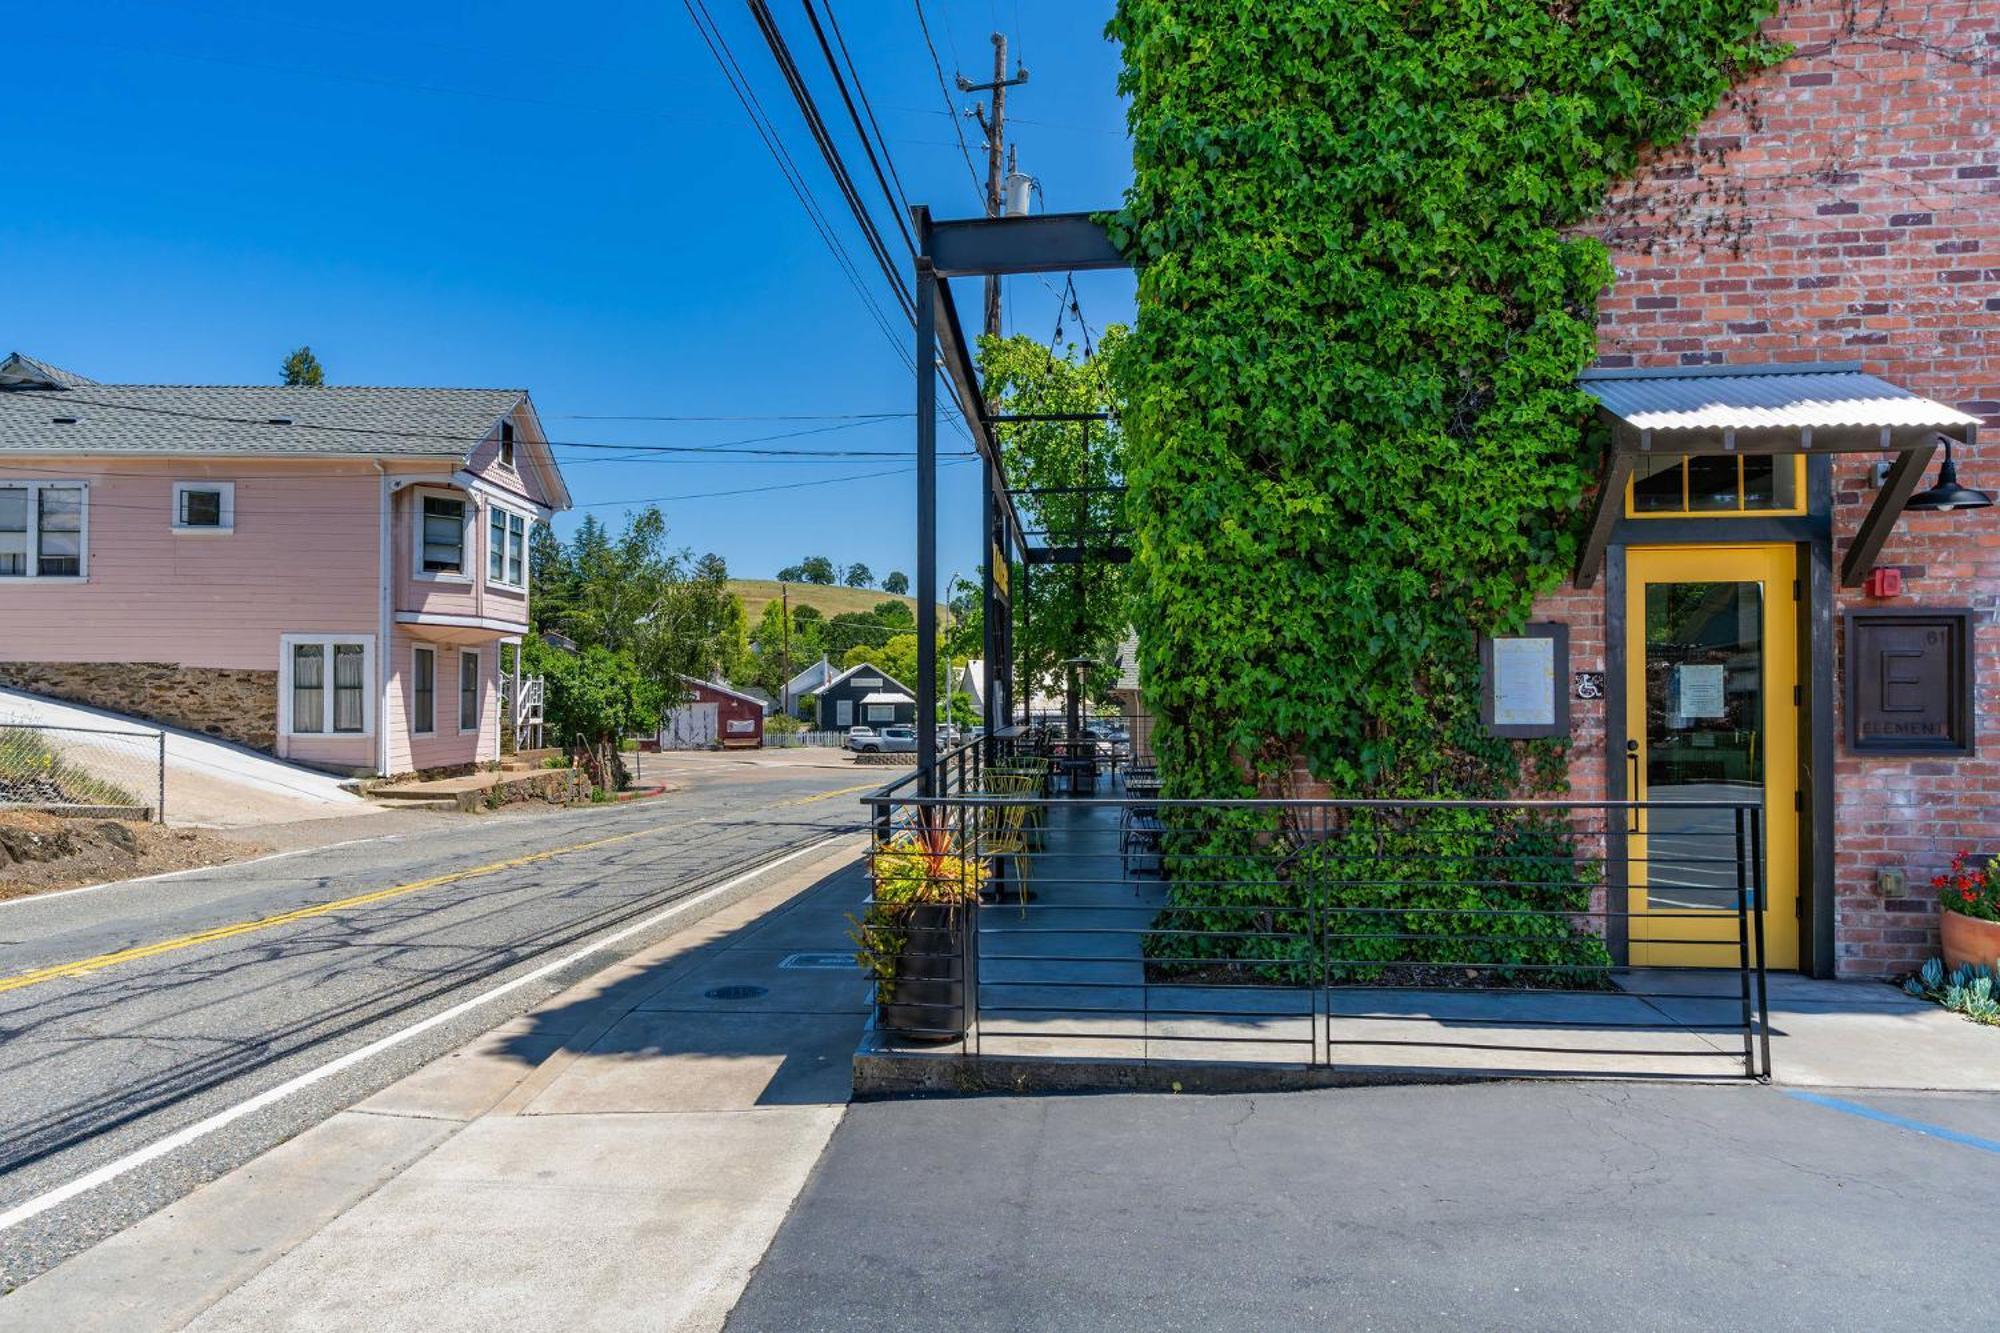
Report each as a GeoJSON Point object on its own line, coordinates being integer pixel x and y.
{"type": "Point", "coordinates": [1840, 213]}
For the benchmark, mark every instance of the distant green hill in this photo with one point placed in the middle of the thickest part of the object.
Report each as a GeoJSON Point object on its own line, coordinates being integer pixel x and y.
{"type": "Point", "coordinates": [756, 593]}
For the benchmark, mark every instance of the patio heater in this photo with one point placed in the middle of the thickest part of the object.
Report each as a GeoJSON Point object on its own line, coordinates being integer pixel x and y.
{"type": "Point", "coordinates": [1073, 702]}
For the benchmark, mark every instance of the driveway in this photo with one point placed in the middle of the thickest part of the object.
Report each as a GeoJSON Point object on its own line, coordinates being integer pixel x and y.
{"type": "Point", "coordinates": [209, 782]}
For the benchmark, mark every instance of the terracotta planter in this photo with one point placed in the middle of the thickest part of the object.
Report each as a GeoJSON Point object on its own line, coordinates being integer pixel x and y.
{"type": "Point", "coordinates": [1967, 939]}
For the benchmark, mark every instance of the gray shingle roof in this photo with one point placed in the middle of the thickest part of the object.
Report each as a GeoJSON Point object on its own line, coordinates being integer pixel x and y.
{"type": "Point", "coordinates": [235, 420]}
{"type": "Point", "coordinates": [25, 370]}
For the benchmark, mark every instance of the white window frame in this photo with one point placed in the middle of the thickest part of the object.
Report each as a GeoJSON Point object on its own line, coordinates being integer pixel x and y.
{"type": "Point", "coordinates": [468, 535]}
{"type": "Point", "coordinates": [879, 713]}
{"type": "Point", "coordinates": [33, 554]}
{"type": "Point", "coordinates": [417, 650]}
{"type": "Point", "coordinates": [479, 692]}
{"type": "Point", "coordinates": [507, 547]}
{"type": "Point", "coordinates": [226, 489]}
{"type": "Point", "coordinates": [286, 642]}
{"type": "Point", "coordinates": [509, 443]}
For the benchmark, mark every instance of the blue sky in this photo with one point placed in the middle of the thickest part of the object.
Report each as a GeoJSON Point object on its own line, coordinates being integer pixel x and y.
{"type": "Point", "coordinates": [503, 194]}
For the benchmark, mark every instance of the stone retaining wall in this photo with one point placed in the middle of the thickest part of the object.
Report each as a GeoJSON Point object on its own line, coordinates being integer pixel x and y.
{"type": "Point", "coordinates": [227, 703]}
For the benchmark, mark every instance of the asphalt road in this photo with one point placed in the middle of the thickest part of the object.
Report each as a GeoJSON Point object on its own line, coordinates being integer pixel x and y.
{"type": "Point", "coordinates": [102, 1060]}
{"type": "Point", "coordinates": [1504, 1206]}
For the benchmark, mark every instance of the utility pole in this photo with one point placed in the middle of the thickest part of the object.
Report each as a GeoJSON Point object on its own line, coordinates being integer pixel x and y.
{"type": "Point", "coordinates": [785, 613]}
{"type": "Point", "coordinates": [994, 123]}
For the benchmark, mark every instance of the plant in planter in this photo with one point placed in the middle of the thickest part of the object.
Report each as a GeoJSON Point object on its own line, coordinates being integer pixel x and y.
{"type": "Point", "coordinates": [911, 938]}
{"type": "Point", "coordinates": [1969, 922]}
{"type": "Point", "coordinates": [1965, 990]}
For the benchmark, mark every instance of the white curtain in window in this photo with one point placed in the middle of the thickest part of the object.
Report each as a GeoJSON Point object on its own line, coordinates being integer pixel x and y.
{"type": "Point", "coordinates": [468, 691]}
{"type": "Point", "coordinates": [308, 687]}
{"type": "Point", "coordinates": [349, 688]}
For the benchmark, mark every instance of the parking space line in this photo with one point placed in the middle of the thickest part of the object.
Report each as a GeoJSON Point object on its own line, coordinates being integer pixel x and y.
{"type": "Point", "coordinates": [1898, 1121]}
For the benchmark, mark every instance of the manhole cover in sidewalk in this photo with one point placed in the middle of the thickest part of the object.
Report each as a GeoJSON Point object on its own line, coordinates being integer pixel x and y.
{"type": "Point", "coordinates": [830, 961]}
{"type": "Point", "coordinates": [735, 992]}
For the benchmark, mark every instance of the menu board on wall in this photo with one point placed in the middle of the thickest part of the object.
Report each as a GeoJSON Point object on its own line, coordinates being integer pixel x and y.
{"type": "Point", "coordinates": [1522, 678]}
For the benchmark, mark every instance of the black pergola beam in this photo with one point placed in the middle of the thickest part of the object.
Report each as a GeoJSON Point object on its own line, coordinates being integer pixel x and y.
{"type": "Point", "coordinates": [951, 350]}
{"type": "Point", "coordinates": [1046, 243]}
{"type": "Point", "coordinates": [1869, 538]}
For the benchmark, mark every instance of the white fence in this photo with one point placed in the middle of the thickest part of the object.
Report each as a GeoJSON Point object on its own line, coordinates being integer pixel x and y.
{"type": "Point", "coordinates": [779, 740]}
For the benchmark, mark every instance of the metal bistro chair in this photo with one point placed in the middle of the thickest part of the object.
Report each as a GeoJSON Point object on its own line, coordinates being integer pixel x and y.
{"type": "Point", "coordinates": [1005, 830]}
{"type": "Point", "coordinates": [1141, 831]}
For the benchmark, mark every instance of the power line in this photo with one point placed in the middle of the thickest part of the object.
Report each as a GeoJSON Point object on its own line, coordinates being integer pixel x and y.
{"type": "Point", "coordinates": [68, 398]}
{"type": "Point", "coordinates": [835, 165]}
{"type": "Point", "coordinates": [897, 208]}
{"type": "Point", "coordinates": [96, 503]}
{"type": "Point", "coordinates": [833, 22]}
{"type": "Point", "coordinates": [950, 110]}
{"type": "Point", "coordinates": [739, 84]}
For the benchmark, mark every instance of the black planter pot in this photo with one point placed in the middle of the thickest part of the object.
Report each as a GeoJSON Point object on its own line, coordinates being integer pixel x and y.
{"type": "Point", "coordinates": [927, 1000]}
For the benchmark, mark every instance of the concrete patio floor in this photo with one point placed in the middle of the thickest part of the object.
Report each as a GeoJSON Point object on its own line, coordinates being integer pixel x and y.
{"type": "Point", "coordinates": [1064, 1004]}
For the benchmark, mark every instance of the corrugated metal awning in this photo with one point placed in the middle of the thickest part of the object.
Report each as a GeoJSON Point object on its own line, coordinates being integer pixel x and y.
{"type": "Point", "coordinates": [1821, 398]}
{"type": "Point", "coordinates": [886, 697]}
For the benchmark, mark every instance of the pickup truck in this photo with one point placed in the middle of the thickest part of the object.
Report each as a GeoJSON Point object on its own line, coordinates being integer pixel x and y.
{"type": "Point", "coordinates": [867, 740]}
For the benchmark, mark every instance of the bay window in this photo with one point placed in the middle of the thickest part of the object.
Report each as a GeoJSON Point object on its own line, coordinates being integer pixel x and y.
{"type": "Point", "coordinates": [507, 548]}
{"type": "Point", "coordinates": [442, 530]}
{"type": "Point", "coordinates": [44, 529]}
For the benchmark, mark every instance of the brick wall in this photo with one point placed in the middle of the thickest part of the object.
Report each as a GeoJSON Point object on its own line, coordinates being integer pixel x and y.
{"type": "Point", "coordinates": [1844, 206]}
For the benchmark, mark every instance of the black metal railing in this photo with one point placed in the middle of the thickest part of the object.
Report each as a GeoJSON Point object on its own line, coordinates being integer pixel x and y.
{"type": "Point", "coordinates": [1553, 937]}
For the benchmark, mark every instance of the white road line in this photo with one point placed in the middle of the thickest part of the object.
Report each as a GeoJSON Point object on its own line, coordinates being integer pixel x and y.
{"type": "Point", "coordinates": [180, 1138]}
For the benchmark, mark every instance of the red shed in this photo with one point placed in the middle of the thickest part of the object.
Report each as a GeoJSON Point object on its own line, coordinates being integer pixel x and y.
{"type": "Point", "coordinates": [713, 715]}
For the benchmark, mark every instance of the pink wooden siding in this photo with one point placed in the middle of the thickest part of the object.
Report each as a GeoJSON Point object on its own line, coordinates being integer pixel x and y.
{"type": "Point", "coordinates": [446, 747]}
{"type": "Point", "coordinates": [302, 558]}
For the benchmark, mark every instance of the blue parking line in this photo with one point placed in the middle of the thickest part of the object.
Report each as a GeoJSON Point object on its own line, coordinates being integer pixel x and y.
{"type": "Point", "coordinates": [1899, 1121]}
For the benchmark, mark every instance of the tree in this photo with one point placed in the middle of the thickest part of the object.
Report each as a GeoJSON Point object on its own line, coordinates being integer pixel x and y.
{"type": "Point", "coordinates": [302, 369]}
{"type": "Point", "coordinates": [896, 581]}
{"type": "Point", "coordinates": [816, 569]}
{"type": "Point", "coordinates": [792, 574]}
{"type": "Point", "coordinates": [855, 629]}
{"type": "Point", "coordinates": [858, 576]}
{"type": "Point", "coordinates": [897, 656]}
{"type": "Point", "coordinates": [632, 593]}
{"type": "Point", "coordinates": [895, 614]}
{"type": "Point", "coordinates": [778, 658]}
{"type": "Point", "coordinates": [593, 698]}
{"type": "Point", "coordinates": [1076, 495]}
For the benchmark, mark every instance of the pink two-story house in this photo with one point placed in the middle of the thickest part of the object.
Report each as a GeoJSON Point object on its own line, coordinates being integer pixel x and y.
{"type": "Point", "coordinates": [329, 574]}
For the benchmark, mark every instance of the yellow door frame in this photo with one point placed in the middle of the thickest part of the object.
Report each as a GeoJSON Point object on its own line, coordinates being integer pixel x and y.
{"type": "Point", "coordinates": [1683, 940]}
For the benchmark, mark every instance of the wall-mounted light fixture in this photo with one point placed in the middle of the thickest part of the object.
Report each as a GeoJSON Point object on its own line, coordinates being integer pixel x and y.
{"type": "Point", "coordinates": [1948, 495]}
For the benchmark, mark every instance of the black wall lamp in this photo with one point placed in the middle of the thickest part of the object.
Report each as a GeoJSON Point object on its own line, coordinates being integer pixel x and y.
{"type": "Point", "coordinates": [1948, 495]}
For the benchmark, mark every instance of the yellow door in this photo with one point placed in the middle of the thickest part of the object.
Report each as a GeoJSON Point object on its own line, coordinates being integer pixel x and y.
{"type": "Point", "coordinates": [1711, 716]}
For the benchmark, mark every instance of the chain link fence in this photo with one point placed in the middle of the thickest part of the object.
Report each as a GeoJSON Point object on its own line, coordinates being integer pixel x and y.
{"type": "Point", "coordinates": [114, 773]}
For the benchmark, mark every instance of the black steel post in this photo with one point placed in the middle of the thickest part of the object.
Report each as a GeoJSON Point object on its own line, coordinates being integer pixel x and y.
{"type": "Point", "coordinates": [1743, 910]}
{"type": "Point", "coordinates": [989, 630]}
{"type": "Point", "coordinates": [927, 589]}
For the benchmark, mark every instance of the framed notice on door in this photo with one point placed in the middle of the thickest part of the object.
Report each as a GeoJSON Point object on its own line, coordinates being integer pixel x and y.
{"type": "Point", "coordinates": [1521, 682]}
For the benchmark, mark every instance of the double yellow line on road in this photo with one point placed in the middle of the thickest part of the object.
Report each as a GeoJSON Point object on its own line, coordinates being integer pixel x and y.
{"type": "Point", "coordinates": [86, 966]}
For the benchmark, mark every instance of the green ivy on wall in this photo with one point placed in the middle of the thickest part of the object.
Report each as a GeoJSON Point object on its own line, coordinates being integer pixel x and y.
{"type": "Point", "coordinates": [1353, 436]}
{"type": "Point", "coordinates": [1354, 433]}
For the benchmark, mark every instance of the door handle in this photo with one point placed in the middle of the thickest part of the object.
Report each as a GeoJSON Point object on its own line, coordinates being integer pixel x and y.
{"type": "Point", "coordinates": [1632, 821]}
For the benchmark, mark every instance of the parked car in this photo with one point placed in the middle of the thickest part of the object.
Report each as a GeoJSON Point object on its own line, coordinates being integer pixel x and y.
{"type": "Point", "coordinates": [949, 735]}
{"type": "Point", "coordinates": [867, 740]}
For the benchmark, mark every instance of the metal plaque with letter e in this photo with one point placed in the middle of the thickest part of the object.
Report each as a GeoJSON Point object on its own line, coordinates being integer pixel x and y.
{"type": "Point", "coordinates": [1909, 681]}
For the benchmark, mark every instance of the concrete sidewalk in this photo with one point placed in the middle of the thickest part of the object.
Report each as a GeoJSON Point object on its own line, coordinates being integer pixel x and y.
{"type": "Point", "coordinates": [618, 1158]}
